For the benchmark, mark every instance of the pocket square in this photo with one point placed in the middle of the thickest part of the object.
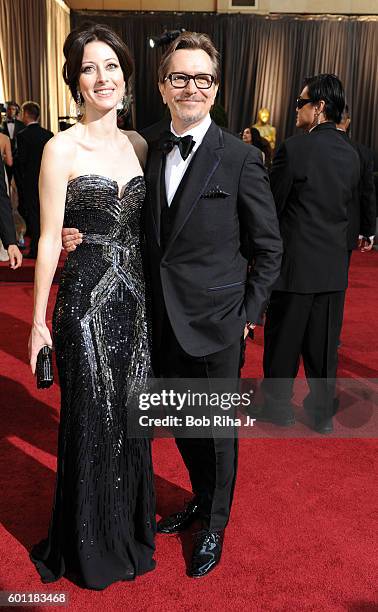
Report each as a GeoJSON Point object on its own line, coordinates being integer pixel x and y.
{"type": "Point", "coordinates": [215, 192]}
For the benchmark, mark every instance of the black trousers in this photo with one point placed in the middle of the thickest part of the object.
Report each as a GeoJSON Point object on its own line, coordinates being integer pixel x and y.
{"type": "Point", "coordinates": [349, 260]}
{"type": "Point", "coordinates": [211, 462]}
{"type": "Point", "coordinates": [306, 325]}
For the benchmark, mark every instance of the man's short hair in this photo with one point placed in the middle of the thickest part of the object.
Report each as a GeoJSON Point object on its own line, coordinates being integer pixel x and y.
{"type": "Point", "coordinates": [190, 40]}
{"type": "Point", "coordinates": [345, 114]}
{"type": "Point", "coordinates": [327, 87]}
{"type": "Point", "coordinates": [32, 109]}
{"type": "Point", "coordinates": [9, 103]}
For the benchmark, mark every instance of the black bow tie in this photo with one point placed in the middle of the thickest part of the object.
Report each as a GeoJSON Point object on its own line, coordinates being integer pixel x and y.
{"type": "Point", "coordinates": [185, 144]}
{"type": "Point", "coordinates": [10, 120]}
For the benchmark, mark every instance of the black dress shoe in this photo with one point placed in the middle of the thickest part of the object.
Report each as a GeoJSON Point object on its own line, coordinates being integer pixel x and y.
{"type": "Point", "coordinates": [207, 552]}
{"type": "Point", "coordinates": [325, 426]}
{"type": "Point", "coordinates": [317, 419]}
{"type": "Point", "coordinates": [320, 424]}
{"type": "Point", "coordinates": [174, 523]}
{"type": "Point", "coordinates": [263, 414]}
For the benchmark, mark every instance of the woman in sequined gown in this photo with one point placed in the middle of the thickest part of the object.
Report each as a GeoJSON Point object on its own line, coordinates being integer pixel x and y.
{"type": "Point", "coordinates": [103, 520]}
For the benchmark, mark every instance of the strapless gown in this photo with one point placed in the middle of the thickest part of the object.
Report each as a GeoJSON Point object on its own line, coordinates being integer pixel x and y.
{"type": "Point", "coordinates": [103, 521]}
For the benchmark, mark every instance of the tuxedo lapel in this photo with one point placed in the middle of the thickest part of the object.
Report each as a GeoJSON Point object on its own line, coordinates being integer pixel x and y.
{"type": "Point", "coordinates": [204, 163]}
{"type": "Point", "coordinates": [153, 175]}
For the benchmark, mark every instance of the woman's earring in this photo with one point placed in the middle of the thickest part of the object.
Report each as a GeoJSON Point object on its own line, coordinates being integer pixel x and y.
{"type": "Point", "coordinates": [126, 103]}
{"type": "Point", "coordinates": [79, 111]}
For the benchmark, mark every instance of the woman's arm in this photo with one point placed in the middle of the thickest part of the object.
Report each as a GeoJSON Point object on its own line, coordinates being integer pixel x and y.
{"type": "Point", "coordinates": [55, 170]}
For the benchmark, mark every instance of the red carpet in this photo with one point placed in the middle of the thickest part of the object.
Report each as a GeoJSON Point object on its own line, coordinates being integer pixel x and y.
{"type": "Point", "coordinates": [303, 530]}
{"type": "Point", "coordinates": [25, 274]}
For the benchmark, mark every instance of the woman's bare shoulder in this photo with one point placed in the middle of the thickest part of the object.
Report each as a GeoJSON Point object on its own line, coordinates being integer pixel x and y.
{"type": "Point", "coordinates": [139, 144]}
{"type": "Point", "coordinates": [59, 154]}
{"type": "Point", "coordinates": [135, 138]}
{"type": "Point", "coordinates": [62, 144]}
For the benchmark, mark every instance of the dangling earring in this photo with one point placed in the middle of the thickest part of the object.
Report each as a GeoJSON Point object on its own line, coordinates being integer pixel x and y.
{"type": "Point", "coordinates": [79, 111]}
{"type": "Point", "coordinates": [126, 103]}
{"type": "Point", "coordinates": [123, 105]}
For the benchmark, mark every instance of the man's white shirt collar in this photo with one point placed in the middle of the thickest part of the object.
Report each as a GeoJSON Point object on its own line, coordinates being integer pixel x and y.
{"type": "Point", "coordinates": [175, 166]}
{"type": "Point", "coordinates": [198, 132]}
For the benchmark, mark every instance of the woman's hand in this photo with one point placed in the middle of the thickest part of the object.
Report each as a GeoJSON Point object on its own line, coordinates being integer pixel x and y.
{"type": "Point", "coordinates": [15, 256]}
{"type": "Point", "coordinates": [39, 336]}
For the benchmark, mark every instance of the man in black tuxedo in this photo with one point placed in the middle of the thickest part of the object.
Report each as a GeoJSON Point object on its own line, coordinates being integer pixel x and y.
{"type": "Point", "coordinates": [11, 126]}
{"type": "Point", "coordinates": [362, 212]}
{"type": "Point", "coordinates": [314, 179]}
{"type": "Point", "coordinates": [206, 189]}
{"type": "Point", "coordinates": [7, 229]}
{"type": "Point", "coordinates": [30, 144]}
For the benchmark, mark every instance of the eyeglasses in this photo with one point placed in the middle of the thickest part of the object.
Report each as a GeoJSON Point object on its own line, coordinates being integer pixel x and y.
{"type": "Point", "coordinates": [302, 101]}
{"type": "Point", "coordinates": [179, 80]}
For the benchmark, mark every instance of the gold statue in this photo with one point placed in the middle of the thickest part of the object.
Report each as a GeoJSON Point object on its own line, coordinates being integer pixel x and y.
{"type": "Point", "coordinates": [266, 130]}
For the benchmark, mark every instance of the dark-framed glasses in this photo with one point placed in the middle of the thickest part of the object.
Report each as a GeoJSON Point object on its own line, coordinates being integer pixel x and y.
{"type": "Point", "coordinates": [179, 80]}
{"type": "Point", "coordinates": [302, 101]}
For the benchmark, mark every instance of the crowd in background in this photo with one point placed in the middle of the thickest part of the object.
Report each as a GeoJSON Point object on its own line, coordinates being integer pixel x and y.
{"type": "Point", "coordinates": [22, 140]}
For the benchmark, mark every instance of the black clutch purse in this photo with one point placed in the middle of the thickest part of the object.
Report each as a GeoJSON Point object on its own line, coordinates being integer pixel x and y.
{"type": "Point", "coordinates": [44, 369]}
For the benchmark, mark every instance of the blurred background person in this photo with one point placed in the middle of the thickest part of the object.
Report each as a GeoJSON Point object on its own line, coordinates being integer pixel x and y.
{"type": "Point", "coordinates": [7, 229]}
{"type": "Point", "coordinates": [6, 158]}
{"type": "Point", "coordinates": [252, 136]}
{"type": "Point", "coordinates": [314, 178]}
{"type": "Point", "coordinates": [9, 129]}
{"type": "Point", "coordinates": [11, 126]}
{"type": "Point", "coordinates": [362, 211]}
{"type": "Point", "coordinates": [6, 151]}
{"type": "Point", "coordinates": [30, 144]}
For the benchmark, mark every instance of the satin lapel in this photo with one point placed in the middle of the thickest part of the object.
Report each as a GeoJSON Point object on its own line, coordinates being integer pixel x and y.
{"type": "Point", "coordinates": [204, 164]}
{"type": "Point", "coordinates": [153, 176]}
